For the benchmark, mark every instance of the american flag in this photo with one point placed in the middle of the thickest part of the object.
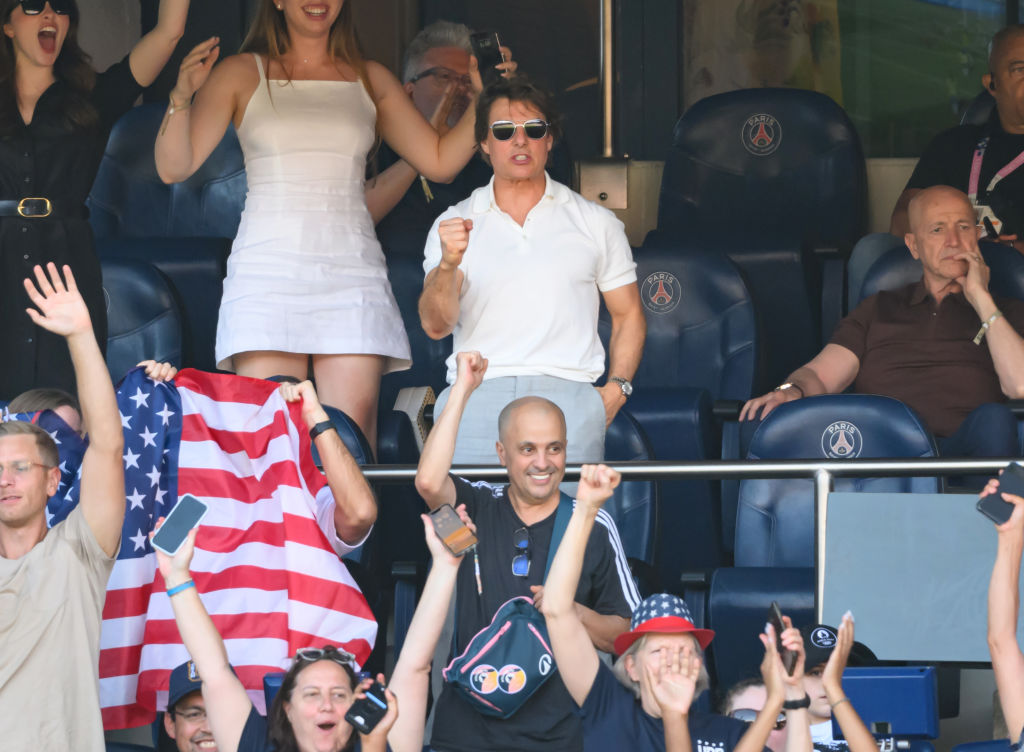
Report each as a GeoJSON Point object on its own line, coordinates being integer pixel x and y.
{"type": "Point", "coordinates": [264, 568]}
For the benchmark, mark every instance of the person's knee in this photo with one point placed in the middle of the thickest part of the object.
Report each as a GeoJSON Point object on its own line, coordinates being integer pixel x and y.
{"type": "Point", "coordinates": [990, 430]}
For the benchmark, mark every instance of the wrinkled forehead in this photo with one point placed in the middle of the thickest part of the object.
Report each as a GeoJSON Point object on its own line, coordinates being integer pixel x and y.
{"type": "Point", "coordinates": [453, 58]}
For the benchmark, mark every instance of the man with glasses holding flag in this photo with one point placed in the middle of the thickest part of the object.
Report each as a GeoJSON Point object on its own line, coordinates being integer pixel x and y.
{"type": "Point", "coordinates": [517, 271]}
{"type": "Point", "coordinates": [517, 531]}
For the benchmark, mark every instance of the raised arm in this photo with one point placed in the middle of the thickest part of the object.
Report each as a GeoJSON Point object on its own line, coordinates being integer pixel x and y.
{"type": "Point", "coordinates": [857, 736]}
{"type": "Point", "coordinates": [355, 506]}
{"type": "Point", "coordinates": [755, 738]}
{"type": "Point", "coordinates": [227, 704]}
{"type": "Point", "coordinates": [432, 480]}
{"type": "Point", "coordinates": [439, 302]}
{"type": "Point", "coordinates": [1004, 343]}
{"type": "Point", "coordinates": [829, 372]}
{"type": "Point", "coordinates": [151, 53]}
{"type": "Point", "coordinates": [575, 654]}
{"type": "Point", "coordinates": [406, 131]}
{"type": "Point", "coordinates": [629, 328]}
{"type": "Point", "coordinates": [410, 679]}
{"type": "Point", "coordinates": [1003, 607]}
{"type": "Point", "coordinates": [62, 311]}
{"type": "Point", "coordinates": [191, 130]}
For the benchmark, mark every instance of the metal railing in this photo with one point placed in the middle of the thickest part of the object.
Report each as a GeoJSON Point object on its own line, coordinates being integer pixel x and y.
{"type": "Point", "coordinates": [821, 472]}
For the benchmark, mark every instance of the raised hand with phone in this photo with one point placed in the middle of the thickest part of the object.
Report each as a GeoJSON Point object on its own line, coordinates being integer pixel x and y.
{"type": "Point", "coordinates": [782, 670]}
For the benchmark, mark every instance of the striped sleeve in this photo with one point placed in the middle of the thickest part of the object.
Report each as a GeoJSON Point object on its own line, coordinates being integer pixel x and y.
{"type": "Point", "coordinates": [620, 565]}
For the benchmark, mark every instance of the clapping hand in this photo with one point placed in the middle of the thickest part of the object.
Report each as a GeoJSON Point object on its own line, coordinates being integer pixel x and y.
{"type": "Point", "coordinates": [673, 681]}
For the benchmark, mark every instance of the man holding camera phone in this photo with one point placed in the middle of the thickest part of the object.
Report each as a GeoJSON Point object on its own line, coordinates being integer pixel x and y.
{"type": "Point", "coordinates": [53, 582]}
{"type": "Point", "coordinates": [514, 528]}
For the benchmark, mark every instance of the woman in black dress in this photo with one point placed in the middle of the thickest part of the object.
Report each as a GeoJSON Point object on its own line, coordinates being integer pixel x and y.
{"type": "Point", "coordinates": [55, 115]}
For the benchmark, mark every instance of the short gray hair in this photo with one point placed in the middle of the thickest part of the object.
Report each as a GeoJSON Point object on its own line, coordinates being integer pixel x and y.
{"type": "Point", "coordinates": [619, 668]}
{"type": "Point", "coordinates": [437, 34]}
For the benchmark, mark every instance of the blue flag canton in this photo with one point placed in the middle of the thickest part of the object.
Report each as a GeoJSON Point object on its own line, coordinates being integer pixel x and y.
{"type": "Point", "coordinates": [151, 422]}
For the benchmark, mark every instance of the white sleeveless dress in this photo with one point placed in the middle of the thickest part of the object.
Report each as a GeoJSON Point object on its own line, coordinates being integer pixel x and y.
{"type": "Point", "coordinates": [306, 273]}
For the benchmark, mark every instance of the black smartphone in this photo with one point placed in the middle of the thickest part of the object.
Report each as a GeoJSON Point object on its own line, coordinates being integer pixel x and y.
{"type": "Point", "coordinates": [452, 531]}
{"type": "Point", "coordinates": [775, 619]}
{"type": "Point", "coordinates": [1012, 482]}
{"type": "Point", "coordinates": [185, 515]}
{"type": "Point", "coordinates": [365, 713]}
{"type": "Point", "coordinates": [487, 49]}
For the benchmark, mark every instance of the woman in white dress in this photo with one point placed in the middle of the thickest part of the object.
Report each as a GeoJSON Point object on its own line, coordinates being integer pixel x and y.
{"type": "Point", "coordinates": [306, 276]}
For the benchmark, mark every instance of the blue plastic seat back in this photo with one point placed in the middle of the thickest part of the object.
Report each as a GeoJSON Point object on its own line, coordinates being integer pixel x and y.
{"type": "Point", "coordinates": [991, 745]}
{"type": "Point", "coordinates": [128, 197]}
{"type": "Point", "coordinates": [143, 317]}
{"type": "Point", "coordinates": [634, 505]}
{"type": "Point", "coordinates": [775, 517]}
{"type": "Point", "coordinates": [765, 164]}
{"type": "Point", "coordinates": [701, 326]}
{"type": "Point", "coordinates": [897, 268]}
{"type": "Point", "coordinates": [428, 355]}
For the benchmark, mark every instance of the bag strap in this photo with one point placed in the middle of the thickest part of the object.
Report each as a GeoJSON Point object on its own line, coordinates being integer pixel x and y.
{"type": "Point", "coordinates": [561, 523]}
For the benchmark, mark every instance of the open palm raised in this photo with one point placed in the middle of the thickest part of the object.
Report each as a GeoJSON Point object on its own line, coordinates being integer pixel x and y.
{"type": "Point", "coordinates": [61, 307]}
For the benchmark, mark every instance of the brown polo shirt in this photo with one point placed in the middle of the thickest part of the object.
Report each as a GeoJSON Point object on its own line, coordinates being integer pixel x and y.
{"type": "Point", "coordinates": [924, 355]}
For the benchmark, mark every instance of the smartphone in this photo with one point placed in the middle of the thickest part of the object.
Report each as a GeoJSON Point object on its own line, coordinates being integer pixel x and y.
{"type": "Point", "coordinates": [1011, 481]}
{"type": "Point", "coordinates": [452, 531]}
{"type": "Point", "coordinates": [185, 515]}
{"type": "Point", "coordinates": [365, 713]}
{"type": "Point", "coordinates": [487, 49]}
{"type": "Point", "coordinates": [775, 619]}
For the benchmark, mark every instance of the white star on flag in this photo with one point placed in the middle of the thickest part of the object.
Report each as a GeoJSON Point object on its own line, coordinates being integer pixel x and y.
{"type": "Point", "coordinates": [154, 475]}
{"type": "Point", "coordinates": [140, 398]}
{"type": "Point", "coordinates": [147, 437]}
{"type": "Point", "coordinates": [126, 420]}
{"type": "Point", "coordinates": [165, 414]}
{"type": "Point", "coordinates": [130, 460]}
{"type": "Point", "coordinates": [139, 539]}
{"type": "Point", "coordinates": [135, 499]}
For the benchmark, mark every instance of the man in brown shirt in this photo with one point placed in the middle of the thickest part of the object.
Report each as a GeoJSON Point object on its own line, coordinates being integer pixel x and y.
{"type": "Point", "coordinates": [944, 345]}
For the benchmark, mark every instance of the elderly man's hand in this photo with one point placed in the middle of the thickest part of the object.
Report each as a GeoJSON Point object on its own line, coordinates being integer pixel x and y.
{"type": "Point", "coordinates": [768, 402]}
{"type": "Point", "coordinates": [975, 282]}
{"type": "Point", "coordinates": [454, 241]}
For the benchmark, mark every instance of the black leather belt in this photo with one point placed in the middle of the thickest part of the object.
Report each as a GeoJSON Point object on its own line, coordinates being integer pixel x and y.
{"type": "Point", "coordinates": [39, 208]}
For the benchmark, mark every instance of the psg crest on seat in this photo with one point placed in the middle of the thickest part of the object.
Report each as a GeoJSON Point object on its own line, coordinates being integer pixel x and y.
{"type": "Point", "coordinates": [661, 292]}
{"type": "Point", "coordinates": [842, 441]}
{"type": "Point", "coordinates": [762, 135]}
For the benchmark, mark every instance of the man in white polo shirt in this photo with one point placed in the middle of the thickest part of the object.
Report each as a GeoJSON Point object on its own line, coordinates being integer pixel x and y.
{"type": "Point", "coordinates": [515, 272]}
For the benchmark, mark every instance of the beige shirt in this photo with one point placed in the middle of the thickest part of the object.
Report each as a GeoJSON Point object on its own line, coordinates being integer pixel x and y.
{"type": "Point", "coordinates": [51, 603]}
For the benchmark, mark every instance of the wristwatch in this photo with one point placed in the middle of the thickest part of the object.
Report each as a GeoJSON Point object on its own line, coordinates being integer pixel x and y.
{"type": "Point", "coordinates": [788, 385]}
{"type": "Point", "coordinates": [797, 704]}
{"type": "Point", "coordinates": [319, 428]}
{"type": "Point", "coordinates": [624, 384]}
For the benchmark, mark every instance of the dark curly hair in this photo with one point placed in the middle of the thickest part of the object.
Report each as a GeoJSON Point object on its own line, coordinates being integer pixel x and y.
{"type": "Point", "coordinates": [72, 67]}
{"type": "Point", "coordinates": [279, 728]}
{"type": "Point", "coordinates": [516, 89]}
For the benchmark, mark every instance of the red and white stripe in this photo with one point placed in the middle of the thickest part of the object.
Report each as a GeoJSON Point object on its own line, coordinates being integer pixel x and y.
{"type": "Point", "coordinates": [263, 566]}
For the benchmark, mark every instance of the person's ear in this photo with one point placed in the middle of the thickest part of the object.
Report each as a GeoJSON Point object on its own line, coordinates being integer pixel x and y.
{"type": "Point", "coordinates": [9, 30]}
{"type": "Point", "coordinates": [631, 669]}
{"type": "Point", "coordinates": [988, 82]}
{"type": "Point", "coordinates": [408, 88]}
{"type": "Point", "coordinates": [911, 240]}
{"type": "Point", "coordinates": [169, 725]}
{"type": "Point", "coordinates": [52, 481]}
{"type": "Point", "coordinates": [501, 453]}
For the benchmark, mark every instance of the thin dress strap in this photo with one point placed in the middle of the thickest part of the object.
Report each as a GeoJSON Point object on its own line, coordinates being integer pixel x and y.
{"type": "Point", "coordinates": [259, 66]}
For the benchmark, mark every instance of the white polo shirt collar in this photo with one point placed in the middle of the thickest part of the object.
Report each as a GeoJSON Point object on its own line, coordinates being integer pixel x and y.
{"type": "Point", "coordinates": [554, 192]}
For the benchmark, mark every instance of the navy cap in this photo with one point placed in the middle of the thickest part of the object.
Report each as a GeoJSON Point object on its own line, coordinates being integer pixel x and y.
{"type": "Point", "coordinates": [185, 680]}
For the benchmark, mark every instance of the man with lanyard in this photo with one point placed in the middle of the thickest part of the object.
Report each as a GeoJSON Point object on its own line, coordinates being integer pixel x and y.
{"type": "Point", "coordinates": [984, 161]}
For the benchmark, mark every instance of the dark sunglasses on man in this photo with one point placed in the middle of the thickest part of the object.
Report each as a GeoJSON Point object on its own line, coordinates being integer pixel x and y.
{"type": "Point", "coordinates": [35, 7]}
{"type": "Point", "coordinates": [521, 561]}
{"type": "Point", "coordinates": [748, 715]}
{"type": "Point", "coordinates": [503, 130]}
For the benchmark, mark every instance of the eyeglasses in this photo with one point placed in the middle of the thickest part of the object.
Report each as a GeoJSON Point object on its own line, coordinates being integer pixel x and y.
{"type": "Point", "coordinates": [193, 715]}
{"type": "Point", "coordinates": [19, 468]}
{"type": "Point", "coordinates": [444, 76]}
{"type": "Point", "coordinates": [748, 715]}
{"type": "Point", "coordinates": [35, 7]}
{"type": "Point", "coordinates": [521, 561]}
{"type": "Point", "coordinates": [327, 652]}
{"type": "Point", "coordinates": [503, 130]}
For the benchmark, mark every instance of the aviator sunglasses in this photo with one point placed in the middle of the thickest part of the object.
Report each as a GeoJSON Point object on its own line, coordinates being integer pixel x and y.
{"type": "Point", "coordinates": [747, 715]}
{"type": "Point", "coordinates": [328, 652]}
{"type": "Point", "coordinates": [503, 130]}
{"type": "Point", "coordinates": [35, 7]}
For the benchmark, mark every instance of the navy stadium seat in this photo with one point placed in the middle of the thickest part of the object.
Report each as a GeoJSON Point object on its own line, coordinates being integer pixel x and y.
{"type": "Point", "coordinates": [979, 110]}
{"type": "Point", "coordinates": [143, 317]}
{"type": "Point", "coordinates": [129, 199]}
{"type": "Point", "coordinates": [776, 179]}
{"type": "Point", "coordinates": [991, 745]}
{"type": "Point", "coordinates": [774, 549]}
{"type": "Point", "coordinates": [634, 505]}
{"type": "Point", "coordinates": [184, 229]}
{"type": "Point", "coordinates": [775, 518]}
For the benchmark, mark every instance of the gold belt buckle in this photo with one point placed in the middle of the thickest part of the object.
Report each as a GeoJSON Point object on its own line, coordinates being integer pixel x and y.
{"type": "Point", "coordinates": [35, 208]}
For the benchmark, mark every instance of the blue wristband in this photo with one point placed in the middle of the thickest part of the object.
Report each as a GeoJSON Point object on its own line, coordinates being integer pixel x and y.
{"type": "Point", "coordinates": [178, 588]}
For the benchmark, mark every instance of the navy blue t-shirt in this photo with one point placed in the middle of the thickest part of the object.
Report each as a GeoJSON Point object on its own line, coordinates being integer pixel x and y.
{"type": "Point", "coordinates": [613, 720]}
{"type": "Point", "coordinates": [254, 735]}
